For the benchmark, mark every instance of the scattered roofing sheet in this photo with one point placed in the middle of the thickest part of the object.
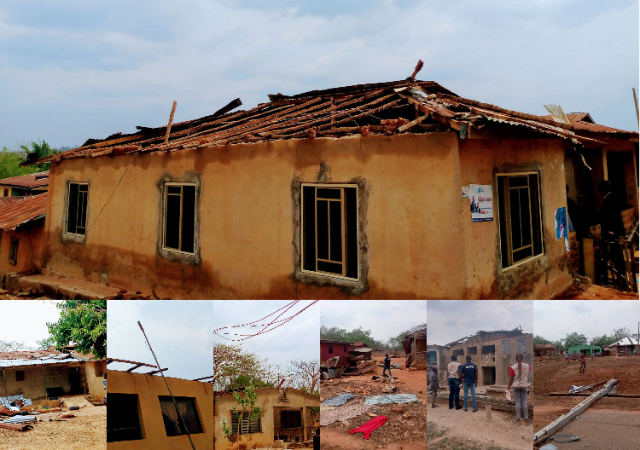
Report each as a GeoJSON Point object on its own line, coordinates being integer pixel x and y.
{"type": "Point", "coordinates": [405, 106]}
{"type": "Point", "coordinates": [28, 209]}
{"type": "Point", "coordinates": [61, 359]}
{"type": "Point", "coordinates": [338, 400]}
{"type": "Point", "coordinates": [28, 354]}
{"type": "Point", "coordinates": [392, 398]}
{"type": "Point", "coordinates": [32, 180]}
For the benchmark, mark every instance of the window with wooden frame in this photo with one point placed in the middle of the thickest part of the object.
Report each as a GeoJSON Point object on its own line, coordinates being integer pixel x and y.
{"type": "Point", "coordinates": [19, 375]}
{"type": "Point", "coordinates": [13, 251]}
{"type": "Point", "coordinates": [330, 349]}
{"type": "Point", "coordinates": [123, 418]}
{"type": "Point", "coordinates": [245, 423]}
{"type": "Point", "coordinates": [330, 229]}
{"type": "Point", "coordinates": [172, 424]}
{"type": "Point", "coordinates": [179, 217]}
{"type": "Point", "coordinates": [290, 418]}
{"type": "Point", "coordinates": [520, 217]}
{"type": "Point", "coordinates": [77, 208]}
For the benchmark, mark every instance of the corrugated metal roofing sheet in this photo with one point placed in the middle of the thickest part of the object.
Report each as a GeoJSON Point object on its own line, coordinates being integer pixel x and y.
{"type": "Point", "coordinates": [331, 112]}
{"type": "Point", "coordinates": [31, 180]}
{"type": "Point", "coordinates": [15, 214]}
{"type": "Point", "coordinates": [37, 362]}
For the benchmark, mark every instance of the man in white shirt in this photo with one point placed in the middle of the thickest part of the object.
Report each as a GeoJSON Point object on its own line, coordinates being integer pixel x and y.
{"type": "Point", "coordinates": [454, 382]}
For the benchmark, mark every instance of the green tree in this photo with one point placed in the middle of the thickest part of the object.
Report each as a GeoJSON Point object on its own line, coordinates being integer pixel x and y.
{"type": "Point", "coordinates": [46, 343]}
{"type": "Point", "coordinates": [539, 340]}
{"type": "Point", "coordinates": [10, 164]}
{"type": "Point", "coordinates": [620, 333]}
{"type": "Point", "coordinates": [39, 150]}
{"type": "Point", "coordinates": [13, 346]}
{"type": "Point", "coordinates": [232, 361]}
{"type": "Point", "coordinates": [83, 323]}
{"type": "Point", "coordinates": [574, 339]}
{"type": "Point", "coordinates": [338, 334]}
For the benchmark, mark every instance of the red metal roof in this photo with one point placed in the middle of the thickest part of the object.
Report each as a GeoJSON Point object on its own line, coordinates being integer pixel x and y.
{"type": "Point", "coordinates": [28, 354]}
{"type": "Point", "coordinates": [15, 214]}
{"type": "Point", "coordinates": [31, 180]}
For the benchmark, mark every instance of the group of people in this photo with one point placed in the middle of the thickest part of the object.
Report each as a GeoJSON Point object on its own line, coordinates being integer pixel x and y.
{"type": "Point", "coordinates": [465, 376]}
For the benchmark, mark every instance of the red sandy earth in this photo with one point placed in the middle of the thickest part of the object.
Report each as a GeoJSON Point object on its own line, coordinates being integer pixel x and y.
{"type": "Point", "coordinates": [553, 375]}
{"type": "Point", "coordinates": [336, 437]}
{"type": "Point", "coordinates": [595, 292]}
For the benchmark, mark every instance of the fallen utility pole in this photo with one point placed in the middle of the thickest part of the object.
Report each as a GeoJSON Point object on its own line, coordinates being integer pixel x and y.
{"type": "Point", "coordinates": [561, 421]}
{"type": "Point", "coordinates": [166, 384]}
{"type": "Point", "coordinates": [562, 394]}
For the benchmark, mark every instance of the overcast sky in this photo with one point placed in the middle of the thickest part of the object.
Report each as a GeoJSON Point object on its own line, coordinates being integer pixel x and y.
{"type": "Point", "coordinates": [450, 320]}
{"type": "Point", "coordinates": [26, 320]}
{"type": "Point", "coordinates": [554, 319]}
{"type": "Point", "coordinates": [384, 318]}
{"type": "Point", "coordinates": [297, 339]}
{"type": "Point", "coordinates": [85, 68]}
{"type": "Point", "coordinates": [179, 332]}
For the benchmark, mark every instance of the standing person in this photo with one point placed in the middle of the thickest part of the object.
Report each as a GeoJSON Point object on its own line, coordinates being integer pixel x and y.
{"type": "Point", "coordinates": [387, 365]}
{"type": "Point", "coordinates": [454, 382]}
{"type": "Point", "coordinates": [432, 376]}
{"type": "Point", "coordinates": [519, 379]}
{"type": "Point", "coordinates": [469, 375]}
{"type": "Point", "coordinates": [583, 363]}
{"type": "Point", "coordinates": [566, 357]}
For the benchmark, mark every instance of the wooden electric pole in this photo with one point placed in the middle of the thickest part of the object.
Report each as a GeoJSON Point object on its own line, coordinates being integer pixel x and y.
{"type": "Point", "coordinates": [635, 100]}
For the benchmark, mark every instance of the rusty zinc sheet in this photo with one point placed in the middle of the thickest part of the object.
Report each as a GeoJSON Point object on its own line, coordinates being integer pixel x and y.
{"type": "Point", "coordinates": [26, 210]}
{"type": "Point", "coordinates": [31, 180]}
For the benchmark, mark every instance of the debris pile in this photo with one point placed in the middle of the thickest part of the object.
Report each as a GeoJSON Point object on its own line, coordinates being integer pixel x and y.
{"type": "Point", "coordinates": [357, 362]}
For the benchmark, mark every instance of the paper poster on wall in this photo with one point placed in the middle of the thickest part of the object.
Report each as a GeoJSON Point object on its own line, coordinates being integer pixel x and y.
{"type": "Point", "coordinates": [481, 202]}
{"type": "Point", "coordinates": [561, 226]}
{"type": "Point", "coordinates": [465, 191]}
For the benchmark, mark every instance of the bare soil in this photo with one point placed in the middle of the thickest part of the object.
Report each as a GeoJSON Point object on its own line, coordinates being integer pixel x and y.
{"type": "Point", "coordinates": [595, 292]}
{"type": "Point", "coordinates": [554, 375]}
{"type": "Point", "coordinates": [88, 429]}
{"type": "Point", "coordinates": [399, 432]}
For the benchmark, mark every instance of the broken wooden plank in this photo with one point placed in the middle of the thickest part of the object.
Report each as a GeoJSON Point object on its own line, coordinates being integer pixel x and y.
{"type": "Point", "coordinates": [561, 421]}
{"type": "Point", "coordinates": [564, 394]}
{"type": "Point", "coordinates": [173, 111]}
{"type": "Point", "coordinates": [406, 126]}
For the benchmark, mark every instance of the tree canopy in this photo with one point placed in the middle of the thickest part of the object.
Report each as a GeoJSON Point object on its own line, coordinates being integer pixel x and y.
{"type": "Point", "coordinates": [83, 323]}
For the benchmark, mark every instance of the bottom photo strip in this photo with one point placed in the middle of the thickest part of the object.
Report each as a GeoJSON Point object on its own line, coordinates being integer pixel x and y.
{"type": "Point", "coordinates": [352, 374]}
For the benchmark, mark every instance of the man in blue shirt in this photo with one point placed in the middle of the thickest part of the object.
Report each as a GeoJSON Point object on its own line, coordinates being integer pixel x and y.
{"type": "Point", "coordinates": [469, 374]}
{"type": "Point", "coordinates": [387, 365]}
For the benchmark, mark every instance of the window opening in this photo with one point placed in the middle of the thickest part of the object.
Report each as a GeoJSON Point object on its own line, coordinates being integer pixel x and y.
{"type": "Point", "coordinates": [172, 423]}
{"type": "Point", "coordinates": [179, 217]}
{"type": "Point", "coordinates": [77, 208]}
{"type": "Point", "coordinates": [245, 423]}
{"type": "Point", "coordinates": [123, 418]}
{"type": "Point", "coordinates": [13, 251]}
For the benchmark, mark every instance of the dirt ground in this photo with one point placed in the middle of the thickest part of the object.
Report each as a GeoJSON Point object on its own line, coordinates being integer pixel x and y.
{"type": "Point", "coordinates": [87, 430]}
{"type": "Point", "coordinates": [460, 430]}
{"type": "Point", "coordinates": [554, 375]}
{"type": "Point", "coordinates": [595, 292]}
{"type": "Point", "coordinates": [398, 433]}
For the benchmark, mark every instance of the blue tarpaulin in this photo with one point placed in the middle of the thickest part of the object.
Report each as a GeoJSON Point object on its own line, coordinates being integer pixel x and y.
{"type": "Point", "coordinates": [337, 401]}
{"type": "Point", "coordinates": [393, 398]}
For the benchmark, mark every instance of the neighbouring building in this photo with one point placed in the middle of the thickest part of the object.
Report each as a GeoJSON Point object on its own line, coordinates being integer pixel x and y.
{"type": "Point", "coordinates": [625, 347]}
{"type": "Point", "coordinates": [586, 349]}
{"type": "Point", "coordinates": [387, 190]}
{"type": "Point", "coordinates": [141, 414]}
{"type": "Point", "coordinates": [22, 234]}
{"type": "Point", "coordinates": [415, 347]}
{"type": "Point", "coordinates": [25, 185]}
{"type": "Point", "coordinates": [43, 374]}
{"type": "Point", "coordinates": [544, 350]}
{"type": "Point", "coordinates": [494, 352]}
{"type": "Point", "coordinates": [330, 348]}
{"type": "Point", "coordinates": [288, 416]}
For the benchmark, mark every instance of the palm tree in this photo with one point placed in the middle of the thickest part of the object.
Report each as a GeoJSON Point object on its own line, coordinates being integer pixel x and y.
{"type": "Point", "coordinates": [39, 150]}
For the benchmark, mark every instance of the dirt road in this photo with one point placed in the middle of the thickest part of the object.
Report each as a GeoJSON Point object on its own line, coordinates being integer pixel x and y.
{"type": "Point", "coordinates": [405, 429]}
{"type": "Point", "coordinates": [87, 430]}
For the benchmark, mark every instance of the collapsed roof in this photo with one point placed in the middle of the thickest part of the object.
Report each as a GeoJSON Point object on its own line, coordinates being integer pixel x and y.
{"type": "Point", "coordinates": [383, 108]}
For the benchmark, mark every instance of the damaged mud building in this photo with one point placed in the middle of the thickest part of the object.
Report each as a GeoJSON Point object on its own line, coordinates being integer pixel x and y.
{"type": "Point", "coordinates": [494, 352]}
{"type": "Point", "coordinates": [288, 417]}
{"type": "Point", "coordinates": [142, 415]}
{"type": "Point", "coordinates": [354, 191]}
{"type": "Point", "coordinates": [415, 347]}
{"type": "Point", "coordinates": [356, 360]}
{"type": "Point", "coordinates": [44, 375]}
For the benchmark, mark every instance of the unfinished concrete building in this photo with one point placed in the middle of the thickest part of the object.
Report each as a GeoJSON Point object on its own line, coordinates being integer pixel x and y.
{"type": "Point", "coordinates": [415, 347]}
{"type": "Point", "coordinates": [288, 416]}
{"type": "Point", "coordinates": [494, 352]}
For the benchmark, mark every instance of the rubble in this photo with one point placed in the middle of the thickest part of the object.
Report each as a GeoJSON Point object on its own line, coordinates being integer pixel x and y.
{"type": "Point", "coordinates": [357, 362]}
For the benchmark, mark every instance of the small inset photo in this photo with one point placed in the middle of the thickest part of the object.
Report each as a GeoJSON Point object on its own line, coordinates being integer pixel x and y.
{"type": "Point", "coordinates": [159, 388]}
{"type": "Point", "coordinates": [587, 375]}
{"type": "Point", "coordinates": [480, 366]}
{"type": "Point", "coordinates": [266, 374]}
{"type": "Point", "coordinates": [53, 374]}
{"type": "Point", "coordinates": [373, 374]}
